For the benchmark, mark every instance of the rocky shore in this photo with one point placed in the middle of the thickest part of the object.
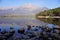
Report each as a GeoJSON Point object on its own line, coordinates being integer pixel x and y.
{"type": "Point", "coordinates": [31, 33]}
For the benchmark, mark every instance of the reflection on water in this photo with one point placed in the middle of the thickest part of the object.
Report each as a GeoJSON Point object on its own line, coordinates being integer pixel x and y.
{"type": "Point", "coordinates": [55, 21]}
{"type": "Point", "coordinates": [21, 21]}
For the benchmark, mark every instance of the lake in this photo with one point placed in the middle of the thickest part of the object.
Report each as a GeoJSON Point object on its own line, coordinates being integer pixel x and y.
{"type": "Point", "coordinates": [21, 21]}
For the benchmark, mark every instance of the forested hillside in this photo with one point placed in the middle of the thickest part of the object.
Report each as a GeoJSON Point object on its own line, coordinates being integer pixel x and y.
{"type": "Point", "coordinates": [51, 12]}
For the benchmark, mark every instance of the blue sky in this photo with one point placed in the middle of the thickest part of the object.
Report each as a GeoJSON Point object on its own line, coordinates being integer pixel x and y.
{"type": "Point", "coordinates": [42, 3]}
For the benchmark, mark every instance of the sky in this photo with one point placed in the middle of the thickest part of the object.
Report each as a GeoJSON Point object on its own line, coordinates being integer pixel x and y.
{"type": "Point", "coordinates": [40, 3]}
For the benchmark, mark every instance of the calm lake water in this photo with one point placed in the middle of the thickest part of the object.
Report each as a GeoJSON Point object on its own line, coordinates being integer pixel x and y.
{"type": "Point", "coordinates": [21, 21]}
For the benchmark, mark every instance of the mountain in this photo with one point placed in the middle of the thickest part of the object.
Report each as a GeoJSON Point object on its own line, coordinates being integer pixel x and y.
{"type": "Point", "coordinates": [27, 9]}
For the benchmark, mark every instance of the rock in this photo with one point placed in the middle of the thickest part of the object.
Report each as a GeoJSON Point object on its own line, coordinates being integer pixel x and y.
{"type": "Point", "coordinates": [21, 31]}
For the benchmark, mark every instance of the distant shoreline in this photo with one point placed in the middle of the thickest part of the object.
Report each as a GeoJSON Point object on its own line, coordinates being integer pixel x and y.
{"type": "Point", "coordinates": [48, 16]}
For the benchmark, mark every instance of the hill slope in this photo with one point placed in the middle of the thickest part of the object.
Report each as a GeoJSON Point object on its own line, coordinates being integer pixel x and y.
{"type": "Point", "coordinates": [51, 12]}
